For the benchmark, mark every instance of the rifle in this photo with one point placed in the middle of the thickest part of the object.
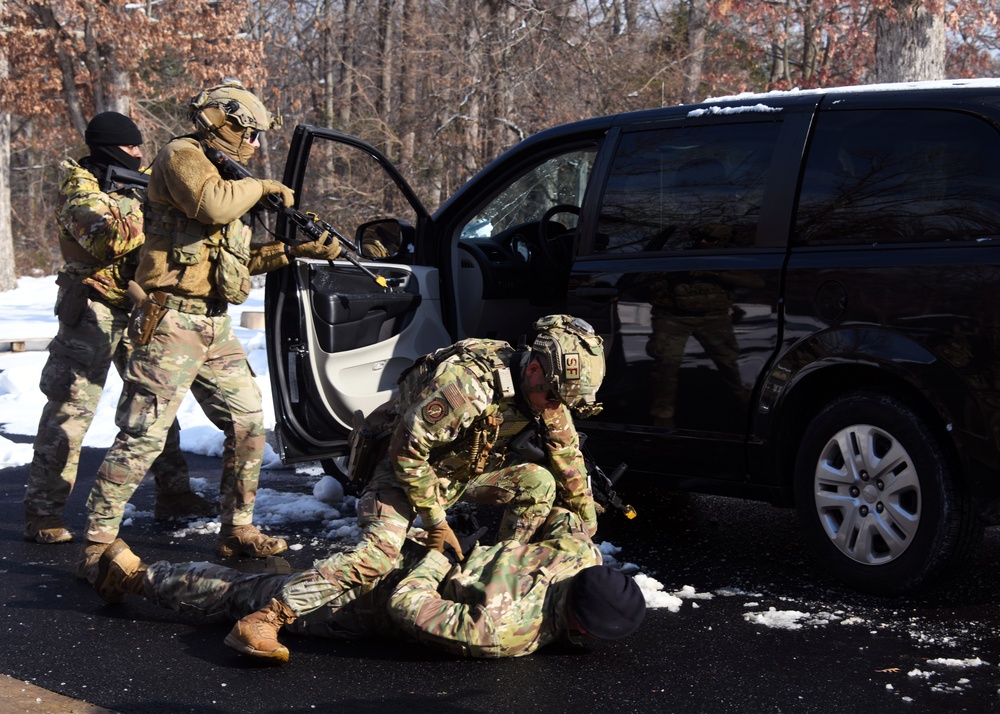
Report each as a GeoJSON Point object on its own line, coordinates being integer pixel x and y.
{"type": "Point", "coordinates": [603, 485]}
{"type": "Point", "coordinates": [118, 178]}
{"type": "Point", "coordinates": [309, 223]}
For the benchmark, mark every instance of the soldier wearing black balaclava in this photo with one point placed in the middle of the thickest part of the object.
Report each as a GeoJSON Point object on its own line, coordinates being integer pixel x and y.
{"type": "Point", "coordinates": [100, 232]}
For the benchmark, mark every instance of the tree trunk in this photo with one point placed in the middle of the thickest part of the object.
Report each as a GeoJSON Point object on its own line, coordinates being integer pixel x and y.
{"type": "Point", "coordinates": [698, 18]}
{"type": "Point", "coordinates": [385, 23]}
{"type": "Point", "coordinates": [348, 53]}
{"type": "Point", "coordinates": [910, 43]}
{"type": "Point", "coordinates": [470, 104]}
{"type": "Point", "coordinates": [8, 275]}
{"type": "Point", "coordinates": [631, 13]}
{"type": "Point", "coordinates": [408, 84]}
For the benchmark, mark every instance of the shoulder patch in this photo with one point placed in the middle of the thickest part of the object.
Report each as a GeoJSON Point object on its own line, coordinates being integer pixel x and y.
{"type": "Point", "coordinates": [434, 411]}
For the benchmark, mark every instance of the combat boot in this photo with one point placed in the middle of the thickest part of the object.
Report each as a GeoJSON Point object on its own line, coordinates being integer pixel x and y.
{"type": "Point", "coordinates": [187, 504]}
{"type": "Point", "coordinates": [119, 573]}
{"type": "Point", "coordinates": [86, 569]}
{"type": "Point", "coordinates": [46, 530]}
{"type": "Point", "coordinates": [247, 540]}
{"type": "Point", "coordinates": [257, 633]}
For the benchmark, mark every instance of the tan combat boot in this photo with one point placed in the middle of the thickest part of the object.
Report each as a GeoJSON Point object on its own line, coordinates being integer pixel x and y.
{"type": "Point", "coordinates": [257, 633]}
{"type": "Point", "coordinates": [86, 568]}
{"type": "Point", "coordinates": [119, 573]}
{"type": "Point", "coordinates": [183, 505]}
{"type": "Point", "coordinates": [247, 540]}
{"type": "Point", "coordinates": [46, 529]}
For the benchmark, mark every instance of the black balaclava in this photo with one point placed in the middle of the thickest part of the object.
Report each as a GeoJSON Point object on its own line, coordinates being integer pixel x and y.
{"type": "Point", "coordinates": [106, 133]}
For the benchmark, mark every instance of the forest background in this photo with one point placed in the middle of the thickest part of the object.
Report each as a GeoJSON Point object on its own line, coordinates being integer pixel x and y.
{"type": "Point", "coordinates": [440, 86]}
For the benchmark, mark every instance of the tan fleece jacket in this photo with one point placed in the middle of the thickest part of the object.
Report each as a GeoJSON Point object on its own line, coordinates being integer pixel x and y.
{"type": "Point", "coordinates": [183, 177]}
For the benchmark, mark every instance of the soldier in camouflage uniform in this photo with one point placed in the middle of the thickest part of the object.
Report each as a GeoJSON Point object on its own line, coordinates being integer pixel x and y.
{"type": "Point", "coordinates": [197, 259]}
{"type": "Point", "coordinates": [506, 600]}
{"type": "Point", "coordinates": [478, 419]}
{"type": "Point", "coordinates": [99, 235]}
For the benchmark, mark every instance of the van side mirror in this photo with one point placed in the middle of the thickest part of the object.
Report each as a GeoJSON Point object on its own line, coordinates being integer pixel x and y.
{"type": "Point", "coordinates": [384, 238]}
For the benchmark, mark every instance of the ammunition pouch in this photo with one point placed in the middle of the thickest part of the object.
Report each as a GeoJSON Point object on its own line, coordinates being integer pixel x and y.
{"type": "Point", "coordinates": [72, 299]}
{"type": "Point", "coordinates": [368, 442]}
{"type": "Point", "coordinates": [232, 277]}
{"type": "Point", "coordinates": [146, 316]}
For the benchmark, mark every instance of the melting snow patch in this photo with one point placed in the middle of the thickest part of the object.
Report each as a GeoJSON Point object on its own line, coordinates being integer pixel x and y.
{"type": "Point", "coordinates": [948, 662]}
{"type": "Point", "coordinates": [852, 620]}
{"type": "Point", "coordinates": [783, 619]}
{"type": "Point", "coordinates": [689, 593]}
{"type": "Point", "coordinates": [789, 619]}
{"type": "Point", "coordinates": [652, 591]}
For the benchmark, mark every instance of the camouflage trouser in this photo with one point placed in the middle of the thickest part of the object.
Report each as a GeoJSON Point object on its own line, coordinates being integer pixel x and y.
{"type": "Point", "coordinates": [187, 351]}
{"type": "Point", "coordinates": [216, 592]}
{"type": "Point", "coordinates": [714, 332]}
{"type": "Point", "coordinates": [385, 515]}
{"type": "Point", "coordinates": [73, 380]}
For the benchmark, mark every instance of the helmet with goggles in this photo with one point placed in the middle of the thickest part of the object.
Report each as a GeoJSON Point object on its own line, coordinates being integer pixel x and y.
{"type": "Point", "coordinates": [232, 101]}
{"type": "Point", "coordinates": [229, 117]}
{"type": "Point", "coordinates": [572, 356]}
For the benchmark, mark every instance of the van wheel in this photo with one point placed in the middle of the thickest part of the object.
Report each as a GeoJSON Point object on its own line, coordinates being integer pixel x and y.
{"type": "Point", "coordinates": [878, 498]}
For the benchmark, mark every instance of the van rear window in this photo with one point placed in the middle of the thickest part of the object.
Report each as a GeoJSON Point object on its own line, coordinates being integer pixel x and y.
{"type": "Point", "coordinates": [899, 176]}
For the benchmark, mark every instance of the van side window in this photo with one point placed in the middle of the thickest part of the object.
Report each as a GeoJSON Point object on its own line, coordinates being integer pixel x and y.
{"type": "Point", "coordinates": [686, 188]}
{"type": "Point", "coordinates": [899, 176]}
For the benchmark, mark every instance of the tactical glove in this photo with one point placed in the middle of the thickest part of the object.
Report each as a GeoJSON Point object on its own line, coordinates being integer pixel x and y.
{"type": "Point", "coordinates": [440, 534]}
{"type": "Point", "coordinates": [467, 542]}
{"type": "Point", "coordinates": [326, 247]}
{"type": "Point", "coordinates": [287, 194]}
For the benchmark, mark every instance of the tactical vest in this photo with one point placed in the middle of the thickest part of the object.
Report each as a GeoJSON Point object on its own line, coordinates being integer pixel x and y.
{"type": "Point", "coordinates": [228, 249]}
{"type": "Point", "coordinates": [481, 446]}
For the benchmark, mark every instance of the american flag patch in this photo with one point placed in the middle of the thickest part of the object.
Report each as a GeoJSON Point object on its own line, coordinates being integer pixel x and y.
{"type": "Point", "coordinates": [454, 395]}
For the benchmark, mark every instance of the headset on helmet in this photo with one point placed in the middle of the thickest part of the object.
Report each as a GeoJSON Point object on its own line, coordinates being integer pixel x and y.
{"type": "Point", "coordinates": [230, 100]}
{"type": "Point", "coordinates": [572, 355]}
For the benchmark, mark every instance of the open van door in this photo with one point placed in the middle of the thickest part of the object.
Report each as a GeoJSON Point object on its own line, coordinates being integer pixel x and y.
{"type": "Point", "coordinates": [337, 340]}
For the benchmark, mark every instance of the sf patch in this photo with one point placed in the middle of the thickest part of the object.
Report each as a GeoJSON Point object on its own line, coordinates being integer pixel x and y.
{"type": "Point", "coordinates": [434, 411]}
{"type": "Point", "coordinates": [571, 366]}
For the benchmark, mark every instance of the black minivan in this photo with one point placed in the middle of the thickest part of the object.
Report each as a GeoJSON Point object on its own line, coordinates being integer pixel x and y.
{"type": "Point", "coordinates": [796, 291]}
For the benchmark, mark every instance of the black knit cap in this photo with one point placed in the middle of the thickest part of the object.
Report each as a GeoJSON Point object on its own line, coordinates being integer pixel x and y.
{"type": "Point", "coordinates": [112, 129]}
{"type": "Point", "coordinates": [607, 603]}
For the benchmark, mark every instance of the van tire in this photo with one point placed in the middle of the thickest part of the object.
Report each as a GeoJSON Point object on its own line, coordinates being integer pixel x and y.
{"type": "Point", "coordinates": [879, 500]}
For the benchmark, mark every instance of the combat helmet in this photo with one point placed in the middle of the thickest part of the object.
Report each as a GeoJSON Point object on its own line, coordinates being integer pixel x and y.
{"type": "Point", "coordinates": [572, 356]}
{"type": "Point", "coordinates": [228, 115]}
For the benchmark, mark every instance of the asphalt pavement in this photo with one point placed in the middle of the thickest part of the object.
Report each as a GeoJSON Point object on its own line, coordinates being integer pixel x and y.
{"type": "Point", "coordinates": [760, 628]}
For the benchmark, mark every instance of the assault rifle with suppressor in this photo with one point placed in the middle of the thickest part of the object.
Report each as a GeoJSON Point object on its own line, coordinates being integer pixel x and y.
{"type": "Point", "coordinates": [309, 223]}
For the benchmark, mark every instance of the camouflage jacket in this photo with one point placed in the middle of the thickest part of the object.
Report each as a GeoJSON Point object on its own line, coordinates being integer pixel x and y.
{"type": "Point", "coordinates": [503, 601]}
{"type": "Point", "coordinates": [450, 412]}
{"type": "Point", "coordinates": [98, 233]}
{"type": "Point", "coordinates": [189, 200]}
